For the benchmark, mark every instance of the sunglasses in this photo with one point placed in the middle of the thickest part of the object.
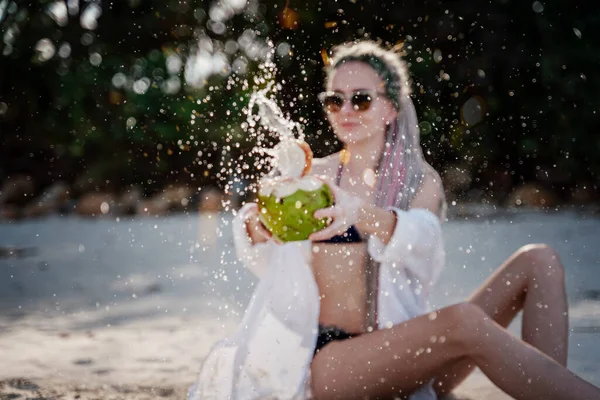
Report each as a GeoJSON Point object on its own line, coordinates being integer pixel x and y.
{"type": "Point", "coordinates": [360, 99]}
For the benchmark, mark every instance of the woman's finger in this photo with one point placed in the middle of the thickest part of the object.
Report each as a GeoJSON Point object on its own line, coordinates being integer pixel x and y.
{"type": "Point", "coordinates": [251, 211]}
{"type": "Point", "coordinates": [326, 233]}
{"type": "Point", "coordinates": [253, 216]}
{"type": "Point", "coordinates": [335, 190]}
{"type": "Point", "coordinates": [260, 228]}
{"type": "Point", "coordinates": [326, 179]}
{"type": "Point", "coordinates": [329, 212]}
{"type": "Point", "coordinates": [266, 233]}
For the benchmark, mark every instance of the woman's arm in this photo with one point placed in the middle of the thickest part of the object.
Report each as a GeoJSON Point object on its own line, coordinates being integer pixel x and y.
{"type": "Point", "coordinates": [409, 238]}
{"type": "Point", "coordinates": [252, 246]}
{"type": "Point", "coordinates": [381, 223]}
{"type": "Point", "coordinates": [255, 230]}
{"type": "Point", "coordinates": [416, 241]}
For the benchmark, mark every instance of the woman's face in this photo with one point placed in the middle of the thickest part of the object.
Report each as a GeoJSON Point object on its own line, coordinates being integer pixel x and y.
{"type": "Point", "coordinates": [351, 124]}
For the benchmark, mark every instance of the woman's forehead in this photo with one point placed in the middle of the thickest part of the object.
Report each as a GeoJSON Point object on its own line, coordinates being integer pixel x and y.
{"type": "Point", "coordinates": [355, 75]}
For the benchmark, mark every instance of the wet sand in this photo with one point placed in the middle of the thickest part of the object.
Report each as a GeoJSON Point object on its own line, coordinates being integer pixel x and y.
{"type": "Point", "coordinates": [107, 309]}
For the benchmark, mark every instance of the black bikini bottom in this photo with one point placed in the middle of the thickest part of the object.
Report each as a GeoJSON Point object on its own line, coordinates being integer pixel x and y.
{"type": "Point", "coordinates": [329, 334]}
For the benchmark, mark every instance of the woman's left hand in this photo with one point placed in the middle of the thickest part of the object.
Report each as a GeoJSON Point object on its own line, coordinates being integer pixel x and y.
{"type": "Point", "coordinates": [346, 211]}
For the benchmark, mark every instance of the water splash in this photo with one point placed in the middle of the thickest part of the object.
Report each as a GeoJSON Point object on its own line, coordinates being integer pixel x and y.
{"type": "Point", "coordinates": [270, 116]}
{"type": "Point", "coordinates": [267, 127]}
{"type": "Point", "coordinates": [264, 112]}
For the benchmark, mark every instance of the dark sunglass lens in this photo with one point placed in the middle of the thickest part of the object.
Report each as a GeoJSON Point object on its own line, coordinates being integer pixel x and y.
{"type": "Point", "coordinates": [333, 103]}
{"type": "Point", "coordinates": [361, 101]}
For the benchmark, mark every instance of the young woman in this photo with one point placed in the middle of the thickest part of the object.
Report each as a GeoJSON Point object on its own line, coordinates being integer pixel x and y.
{"type": "Point", "coordinates": [345, 315]}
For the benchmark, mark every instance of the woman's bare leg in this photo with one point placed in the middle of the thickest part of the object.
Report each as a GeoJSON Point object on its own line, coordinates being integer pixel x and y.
{"type": "Point", "coordinates": [532, 280]}
{"type": "Point", "coordinates": [394, 362]}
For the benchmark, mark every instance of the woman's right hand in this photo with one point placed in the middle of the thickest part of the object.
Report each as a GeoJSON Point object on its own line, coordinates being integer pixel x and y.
{"type": "Point", "coordinates": [256, 230]}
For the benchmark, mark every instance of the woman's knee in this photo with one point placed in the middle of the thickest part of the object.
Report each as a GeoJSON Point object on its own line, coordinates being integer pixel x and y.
{"type": "Point", "coordinates": [542, 261]}
{"type": "Point", "coordinates": [465, 323]}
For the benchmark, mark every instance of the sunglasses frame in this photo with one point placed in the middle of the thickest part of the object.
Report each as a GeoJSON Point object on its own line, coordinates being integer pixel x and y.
{"type": "Point", "coordinates": [373, 94]}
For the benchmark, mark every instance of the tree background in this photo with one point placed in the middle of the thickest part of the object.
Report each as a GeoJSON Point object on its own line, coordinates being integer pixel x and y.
{"type": "Point", "coordinates": [114, 94]}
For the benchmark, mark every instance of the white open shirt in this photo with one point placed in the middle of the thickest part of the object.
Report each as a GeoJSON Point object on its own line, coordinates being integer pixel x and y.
{"type": "Point", "coordinates": [269, 354]}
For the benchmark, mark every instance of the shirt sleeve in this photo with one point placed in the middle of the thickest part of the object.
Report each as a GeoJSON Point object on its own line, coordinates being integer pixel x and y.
{"type": "Point", "coordinates": [254, 256]}
{"type": "Point", "coordinates": [416, 244]}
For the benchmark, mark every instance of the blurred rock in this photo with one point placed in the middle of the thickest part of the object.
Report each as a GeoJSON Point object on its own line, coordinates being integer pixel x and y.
{"type": "Point", "coordinates": [153, 207]}
{"type": "Point", "coordinates": [22, 384]}
{"type": "Point", "coordinates": [178, 196]}
{"type": "Point", "coordinates": [84, 183]}
{"type": "Point", "coordinates": [498, 182]}
{"type": "Point", "coordinates": [55, 198]}
{"type": "Point", "coordinates": [211, 200]}
{"type": "Point", "coordinates": [17, 190]}
{"type": "Point", "coordinates": [83, 361]}
{"type": "Point", "coordinates": [10, 212]}
{"type": "Point", "coordinates": [100, 176]}
{"type": "Point", "coordinates": [532, 195]}
{"type": "Point", "coordinates": [96, 204]}
{"type": "Point", "coordinates": [553, 175]}
{"type": "Point", "coordinates": [17, 252]}
{"type": "Point", "coordinates": [172, 198]}
{"type": "Point", "coordinates": [130, 201]}
{"type": "Point", "coordinates": [153, 288]}
{"type": "Point", "coordinates": [584, 193]}
{"type": "Point", "coordinates": [474, 196]}
{"type": "Point", "coordinates": [472, 211]}
{"type": "Point", "coordinates": [457, 178]}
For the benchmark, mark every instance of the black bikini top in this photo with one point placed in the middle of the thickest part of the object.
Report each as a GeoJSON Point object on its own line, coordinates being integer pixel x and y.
{"type": "Point", "coordinates": [351, 235]}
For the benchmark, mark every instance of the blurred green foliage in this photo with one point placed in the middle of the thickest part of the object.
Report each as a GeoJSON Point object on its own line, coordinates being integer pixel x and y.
{"type": "Point", "coordinates": [530, 66]}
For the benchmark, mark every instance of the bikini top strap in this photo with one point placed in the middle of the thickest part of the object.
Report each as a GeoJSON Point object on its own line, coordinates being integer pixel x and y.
{"type": "Point", "coordinates": [343, 160]}
{"type": "Point", "coordinates": [338, 178]}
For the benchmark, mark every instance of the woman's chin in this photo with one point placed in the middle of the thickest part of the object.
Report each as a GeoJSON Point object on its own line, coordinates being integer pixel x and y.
{"type": "Point", "coordinates": [352, 137]}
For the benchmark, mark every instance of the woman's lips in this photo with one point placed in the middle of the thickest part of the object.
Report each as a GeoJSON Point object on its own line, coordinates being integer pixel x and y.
{"type": "Point", "coordinates": [349, 125]}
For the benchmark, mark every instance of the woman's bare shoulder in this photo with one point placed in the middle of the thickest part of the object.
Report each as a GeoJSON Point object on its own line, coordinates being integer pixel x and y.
{"type": "Point", "coordinates": [430, 194]}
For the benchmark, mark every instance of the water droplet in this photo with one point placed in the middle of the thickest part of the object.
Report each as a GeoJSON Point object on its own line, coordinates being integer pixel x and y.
{"type": "Point", "coordinates": [95, 59]}
{"type": "Point", "coordinates": [141, 86]}
{"type": "Point", "coordinates": [64, 50]}
{"type": "Point", "coordinates": [58, 12]}
{"type": "Point", "coordinates": [45, 49]}
{"type": "Point", "coordinates": [89, 17]}
{"type": "Point", "coordinates": [472, 111]}
{"type": "Point", "coordinates": [131, 121]}
{"type": "Point", "coordinates": [369, 177]}
{"type": "Point", "coordinates": [425, 127]}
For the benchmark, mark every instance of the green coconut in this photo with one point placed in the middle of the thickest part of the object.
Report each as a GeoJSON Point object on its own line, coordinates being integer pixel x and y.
{"type": "Point", "coordinates": [290, 218]}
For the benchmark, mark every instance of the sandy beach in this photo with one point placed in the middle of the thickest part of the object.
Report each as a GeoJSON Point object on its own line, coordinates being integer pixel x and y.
{"type": "Point", "coordinates": [127, 308]}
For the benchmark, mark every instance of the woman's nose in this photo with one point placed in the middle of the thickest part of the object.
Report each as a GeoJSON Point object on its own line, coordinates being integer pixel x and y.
{"type": "Point", "coordinates": [347, 107]}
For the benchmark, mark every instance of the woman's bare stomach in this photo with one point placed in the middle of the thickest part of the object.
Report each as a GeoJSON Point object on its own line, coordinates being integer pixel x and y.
{"type": "Point", "coordinates": [339, 270]}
